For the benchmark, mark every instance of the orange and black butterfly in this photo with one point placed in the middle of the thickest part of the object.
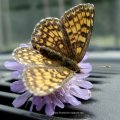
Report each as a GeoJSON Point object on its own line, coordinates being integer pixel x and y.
{"type": "Point", "coordinates": [57, 46]}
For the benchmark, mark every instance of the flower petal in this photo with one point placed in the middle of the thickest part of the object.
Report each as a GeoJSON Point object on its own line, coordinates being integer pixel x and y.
{"type": "Point", "coordinates": [80, 93]}
{"type": "Point", "coordinates": [72, 100]}
{"type": "Point", "coordinates": [84, 84]}
{"type": "Point", "coordinates": [85, 94]}
{"type": "Point", "coordinates": [49, 109]}
{"type": "Point", "coordinates": [78, 76]}
{"type": "Point", "coordinates": [15, 74]}
{"type": "Point", "coordinates": [60, 95]}
{"type": "Point", "coordinates": [81, 76]}
{"type": "Point", "coordinates": [57, 101]}
{"type": "Point", "coordinates": [48, 99]}
{"type": "Point", "coordinates": [20, 100]}
{"type": "Point", "coordinates": [17, 86]}
{"type": "Point", "coordinates": [36, 100]}
{"type": "Point", "coordinates": [39, 104]}
{"type": "Point", "coordinates": [85, 57]}
{"type": "Point", "coordinates": [23, 45]}
{"type": "Point", "coordinates": [13, 65]}
{"type": "Point", "coordinates": [85, 67]}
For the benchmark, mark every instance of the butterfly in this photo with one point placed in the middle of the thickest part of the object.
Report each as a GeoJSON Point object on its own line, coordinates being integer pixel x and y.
{"type": "Point", "coordinates": [57, 46]}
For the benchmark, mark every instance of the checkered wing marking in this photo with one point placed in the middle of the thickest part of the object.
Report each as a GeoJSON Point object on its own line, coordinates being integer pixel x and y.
{"type": "Point", "coordinates": [42, 81]}
{"type": "Point", "coordinates": [48, 33]}
{"type": "Point", "coordinates": [78, 24]}
{"type": "Point", "coordinates": [29, 56]}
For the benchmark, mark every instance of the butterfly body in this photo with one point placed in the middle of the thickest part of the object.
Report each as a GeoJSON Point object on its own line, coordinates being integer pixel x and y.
{"type": "Point", "coordinates": [57, 46]}
{"type": "Point", "coordinates": [60, 59]}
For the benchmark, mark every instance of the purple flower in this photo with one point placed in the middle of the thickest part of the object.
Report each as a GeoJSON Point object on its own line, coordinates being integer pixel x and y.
{"type": "Point", "coordinates": [76, 87]}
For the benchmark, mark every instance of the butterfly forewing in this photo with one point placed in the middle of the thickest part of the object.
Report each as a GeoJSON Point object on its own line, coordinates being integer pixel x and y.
{"type": "Point", "coordinates": [41, 81]}
{"type": "Point", "coordinates": [48, 33]}
{"type": "Point", "coordinates": [78, 23]}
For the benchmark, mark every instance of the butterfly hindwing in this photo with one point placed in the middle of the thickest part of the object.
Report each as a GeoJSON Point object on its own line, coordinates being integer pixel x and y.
{"type": "Point", "coordinates": [78, 23]}
{"type": "Point", "coordinates": [44, 80]}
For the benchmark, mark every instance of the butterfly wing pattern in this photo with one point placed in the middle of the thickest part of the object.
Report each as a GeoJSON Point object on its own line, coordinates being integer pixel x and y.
{"type": "Point", "coordinates": [48, 33]}
{"type": "Point", "coordinates": [41, 76]}
{"type": "Point", "coordinates": [44, 80]}
{"type": "Point", "coordinates": [66, 38]}
{"type": "Point", "coordinates": [30, 57]}
{"type": "Point", "coordinates": [78, 25]}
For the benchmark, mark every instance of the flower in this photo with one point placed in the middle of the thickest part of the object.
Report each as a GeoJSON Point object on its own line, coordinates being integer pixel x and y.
{"type": "Point", "coordinates": [76, 87]}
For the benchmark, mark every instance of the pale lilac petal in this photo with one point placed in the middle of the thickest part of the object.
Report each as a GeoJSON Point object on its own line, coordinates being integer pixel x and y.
{"type": "Point", "coordinates": [60, 95]}
{"type": "Point", "coordinates": [79, 76]}
{"type": "Point", "coordinates": [57, 101]}
{"type": "Point", "coordinates": [15, 74]}
{"type": "Point", "coordinates": [86, 94]}
{"type": "Point", "coordinates": [40, 104]}
{"type": "Point", "coordinates": [85, 67]}
{"type": "Point", "coordinates": [48, 99]}
{"type": "Point", "coordinates": [85, 57]}
{"type": "Point", "coordinates": [84, 84]}
{"type": "Point", "coordinates": [36, 100]}
{"type": "Point", "coordinates": [13, 65]}
{"type": "Point", "coordinates": [17, 86]}
{"type": "Point", "coordinates": [86, 71]}
{"type": "Point", "coordinates": [80, 93]}
{"type": "Point", "coordinates": [72, 100]}
{"type": "Point", "coordinates": [20, 100]}
{"type": "Point", "coordinates": [82, 76]}
{"type": "Point", "coordinates": [49, 109]}
{"type": "Point", "coordinates": [23, 45]}
{"type": "Point", "coordinates": [62, 99]}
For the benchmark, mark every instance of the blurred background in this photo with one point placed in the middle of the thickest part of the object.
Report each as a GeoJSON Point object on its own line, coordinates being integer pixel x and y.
{"type": "Point", "coordinates": [18, 18]}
